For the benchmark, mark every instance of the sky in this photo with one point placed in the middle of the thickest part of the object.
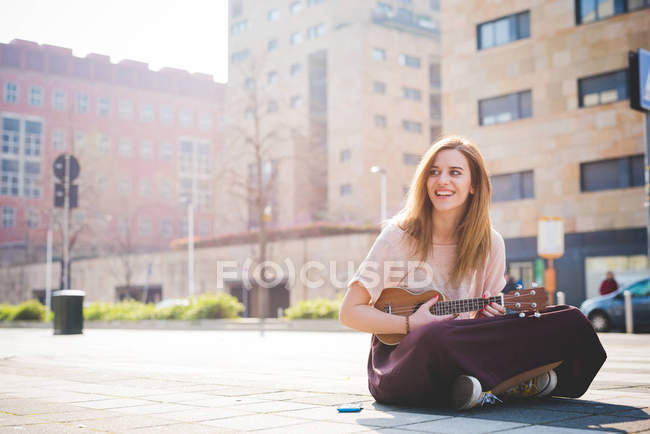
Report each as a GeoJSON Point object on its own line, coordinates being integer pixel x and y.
{"type": "Point", "coordinates": [187, 34]}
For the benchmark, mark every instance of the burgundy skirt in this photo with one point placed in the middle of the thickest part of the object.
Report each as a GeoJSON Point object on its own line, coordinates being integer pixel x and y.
{"type": "Point", "coordinates": [421, 369]}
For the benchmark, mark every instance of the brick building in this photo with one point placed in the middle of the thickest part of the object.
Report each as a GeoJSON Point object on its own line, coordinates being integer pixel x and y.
{"type": "Point", "coordinates": [542, 88]}
{"type": "Point", "coordinates": [146, 140]}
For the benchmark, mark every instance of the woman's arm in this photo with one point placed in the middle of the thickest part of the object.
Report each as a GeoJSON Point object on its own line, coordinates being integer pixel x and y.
{"type": "Point", "coordinates": [356, 313]}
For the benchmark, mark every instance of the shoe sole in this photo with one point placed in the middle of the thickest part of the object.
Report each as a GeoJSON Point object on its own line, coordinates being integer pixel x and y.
{"type": "Point", "coordinates": [466, 392]}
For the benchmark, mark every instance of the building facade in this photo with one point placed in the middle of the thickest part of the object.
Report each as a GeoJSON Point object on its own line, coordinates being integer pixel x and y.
{"type": "Point", "coordinates": [332, 88]}
{"type": "Point", "coordinates": [145, 140]}
{"type": "Point", "coordinates": [542, 88]}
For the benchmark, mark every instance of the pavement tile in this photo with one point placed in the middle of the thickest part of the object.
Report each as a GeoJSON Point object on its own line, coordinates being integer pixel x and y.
{"type": "Point", "coordinates": [367, 417]}
{"type": "Point", "coordinates": [222, 401]}
{"type": "Point", "coordinates": [107, 404]}
{"type": "Point", "coordinates": [543, 429]}
{"type": "Point", "coordinates": [244, 391]}
{"type": "Point", "coordinates": [455, 425]}
{"type": "Point", "coordinates": [317, 427]}
{"type": "Point", "coordinates": [176, 428]}
{"type": "Point", "coordinates": [577, 406]}
{"type": "Point", "coordinates": [23, 407]}
{"type": "Point", "coordinates": [330, 399]}
{"type": "Point", "coordinates": [606, 422]}
{"type": "Point", "coordinates": [640, 413]}
{"type": "Point", "coordinates": [523, 415]}
{"type": "Point", "coordinates": [79, 415]}
{"type": "Point", "coordinates": [201, 414]}
{"type": "Point", "coordinates": [274, 406]}
{"type": "Point", "coordinates": [155, 408]}
{"type": "Point", "coordinates": [285, 395]}
{"type": "Point", "coordinates": [253, 422]}
{"type": "Point", "coordinates": [177, 397]}
{"type": "Point", "coordinates": [11, 419]}
{"type": "Point", "coordinates": [57, 428]}
{"type": "Point", "coordinates": [122, 423]}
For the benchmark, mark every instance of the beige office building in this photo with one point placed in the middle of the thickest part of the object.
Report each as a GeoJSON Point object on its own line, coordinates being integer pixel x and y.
{"type": "Point", "coordinates": [336, 87]}
{"type": "Point", "coordinates": [542, 88]}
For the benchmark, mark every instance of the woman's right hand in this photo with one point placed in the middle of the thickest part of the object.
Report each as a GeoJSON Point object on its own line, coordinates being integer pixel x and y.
{"type": "Point", "coordinates": [423, 315]}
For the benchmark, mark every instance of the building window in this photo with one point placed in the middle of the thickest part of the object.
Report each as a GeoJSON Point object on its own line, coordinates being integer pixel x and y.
{"type": "Point", "coordinates": [603, 88]}
{"type": "Point", "coordinates": [166, 151]}
{"type": "Point", "coordinates": [9, 177]}
{"type": "Point", "coordinates": [185, 117]}
{"type": "Point", "coordinates": [10, 135]}
{"type": "Point", "coordinates": [434, 5]}
{"type": "Point", "coordinates": [411, 159]}
{"type": "Point", "coordinates": [35, 96]}
{"type": "Point", "coordinates": [272, 77]}
{"type": "Point", "coordinates": [166, 115]}
{"type": "Point", "coordinates": [125, 185]}
{"type": "Point", "coordinates": [505, 108]}
{"type": "Point", "coordinates": [123, 226]}
{"type": "Point", "coordinates": [33, 218]}
{"type": "Point", "coordinates": [513, 186]}
{"type": "Point", "coordinates": [380, 121]}
{"type": "Point", "coordinates": [503, 30]}
{"type": "Point", "coordinates": [345, 155]}
{"type": "Point", "coordinates": [410, 61]}
{"type": "Point", "coordinates": [383, 9]}
{"type": "Point", "coordinates": [295, 38]}
{"type": "Point", "coordinates": [82, 103]}
{"type": "Point", "coordinates": [296, 101]}
{"type": "Point", "coordinates": [314, 32]}
{"type": "Point", "coordinates": [237, 9]}
{"type": "Point", "coordinates": [295, 69]}
{"type": "Point", "coordinates": [412, 94]}
{"type": "Point", "coordinates": [239, 57]}
{"type": "Point", "coordinates": [314, 2]}
{"type": "Point", "coordinates": [125, 148]}
{"type": "Point", "coordinates": [204, 228]}
{"type": "Point", "coordinates": [146, 150]}
{"type": "Point", "coordinates": [434, 75]}
{"type": "Point", "coordinates": [33, 138]}
{"type": "Point", "coordinates": [103, 106]}
{"type": "Point", "coordinates": [239, 27]}
{"type": "Point", "coordinates": [31, 175]}
{"type": "Point", "coordinates": [166, 228]}
{"type": "Point", "coordinates": [612, 174]}
{"type": "Point", "coordinates": [272, 45]}
{"type": "Point", "coordinates": [58, 100]}
{"type": "Point", "coordinates": [145, 187]}
{"type": "Point", "coordinates": [272, 107]}
{"type": "Point", "coordinates": [249, 83]}
{"type": "Point", "coordinates": [104, 144]}
{"type": "Point", "coordinates": [588, 11]}
{"type": "Point", "coordinates": [166, 189]}
{"type": "Point", "coordinates": [58, 139]}
{"type": "Point", "coordinates": [144, 225]}
{"type": "Point", "coordinates": [346, 189]}
{"type": "Point", "coordinates": [205, 121]}
{"type": "Point", "coordinates": [379, 87]}
{"type": "Point", "coordinates": [8, 219]}
{"type": "Point", "coordinates": [379, 54]}
{"type": "Point", "coordinates": [146, 113]}
{"type": "Point", "coordinates": [126, 110]}
{"type": "Point", "coordinates": [273, 15]}
{"type": "Point", "coordinates": [412, 126]}
{"type": "Point", "coordinates": [11, 93]}
{"type": "Point", "coordinates": [79, 139]}
{"type": "Point", "coordinates": [295, 7]}
{"type": "Point", "coordinates": [435, 107]}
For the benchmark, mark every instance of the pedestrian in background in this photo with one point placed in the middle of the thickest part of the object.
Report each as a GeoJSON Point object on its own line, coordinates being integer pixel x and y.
{"type": "Point", "coordinates": [510, 283]}
{"type": "Point", "coordinates": [609, 284]}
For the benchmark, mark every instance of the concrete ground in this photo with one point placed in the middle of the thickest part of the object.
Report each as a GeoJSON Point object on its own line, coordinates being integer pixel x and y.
{"type": "Point", "coordinates": [141, 381]}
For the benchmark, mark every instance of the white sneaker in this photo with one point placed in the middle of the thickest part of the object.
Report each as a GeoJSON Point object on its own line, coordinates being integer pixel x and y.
{"type": "Point", "coordinates": [466, 393]}
{"type": "Point", "coordinates": [537, 387]}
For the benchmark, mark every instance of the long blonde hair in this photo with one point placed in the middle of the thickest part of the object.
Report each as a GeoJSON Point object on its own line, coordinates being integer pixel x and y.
{"type": "Point", "coordinates": [474, 228]}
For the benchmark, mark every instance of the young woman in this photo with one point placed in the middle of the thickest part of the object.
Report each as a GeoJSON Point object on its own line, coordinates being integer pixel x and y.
{"type": "Point", "coordinates": [443, 240]}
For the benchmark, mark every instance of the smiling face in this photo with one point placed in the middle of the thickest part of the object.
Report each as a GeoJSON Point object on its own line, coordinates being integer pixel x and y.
{"type": "Point", "coordinates": [449, 182]}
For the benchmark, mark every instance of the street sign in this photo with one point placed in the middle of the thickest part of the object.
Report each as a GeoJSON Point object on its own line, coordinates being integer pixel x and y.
{"type": "Point", "coordinates": [59, 195]}
{"type": "Point", "coordinates": [59, 167]}
{"type": "Point", "coordinates": [639, 71]}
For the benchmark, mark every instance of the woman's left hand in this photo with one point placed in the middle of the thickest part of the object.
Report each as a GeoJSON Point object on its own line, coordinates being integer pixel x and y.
{"type": "Point", "coordinates": [492, 309]}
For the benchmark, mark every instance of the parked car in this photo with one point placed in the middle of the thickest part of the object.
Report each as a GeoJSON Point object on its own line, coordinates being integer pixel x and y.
{"type": "Point", "coordinates": [607, 312]}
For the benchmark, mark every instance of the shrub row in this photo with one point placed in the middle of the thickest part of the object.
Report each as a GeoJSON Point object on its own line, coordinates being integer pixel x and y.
{"type": "Point", "coordinates": [30, 310]}
{"type": "Point", "coordinates": [317, 308]}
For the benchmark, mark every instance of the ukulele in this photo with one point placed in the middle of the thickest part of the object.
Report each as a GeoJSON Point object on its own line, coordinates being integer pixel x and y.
{"type": "Point", "coordinates": [400, 301]}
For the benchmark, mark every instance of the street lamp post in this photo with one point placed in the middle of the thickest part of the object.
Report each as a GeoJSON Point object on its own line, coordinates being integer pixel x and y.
{"type": "Point", "coordinates": [382, 171]}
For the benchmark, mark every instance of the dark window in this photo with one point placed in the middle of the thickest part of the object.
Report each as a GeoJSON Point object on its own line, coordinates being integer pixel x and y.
{"type": "Point", "coordinates": [434, 133]}
{"type": "Point", "coordinates": [434, 5]}
{"type": "Point", "coordinates": [505, 108]}
{"type": "Point", "coordinates": [612, 174]}
{"type": "Point", "coordinates": [513, 186]}
{"type": "Point", "coordinates": [237, 9]}
{"type": "Point", "coordinates": [239, 56]}
{"type": "Point", "coordinates": [588, 11]}
{"type": "Point", "coordinates": [10, 165]}
{"type": "Point", "coordinates": [379, 87]}
{"type": "Point", "coordinates": [346, 189]}
{"type": "Point", "coordinates": [603, 88]}
{"type": "Point", "coordinates": [345, 155]}
{"type": "Point", "coordinates": [503, 30]}
{"type": "Point", "coordinates": [411, 159]}
{"type": "Point", "coordinates": [435, 108]}
{"type": "Point", "coordinates": [434, 75]}
{"type": "Point", "coordinates": [32, 168]}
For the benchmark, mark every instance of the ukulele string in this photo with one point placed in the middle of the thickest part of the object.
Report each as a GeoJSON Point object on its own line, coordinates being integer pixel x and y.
{"type": "Point", "coordinates": [450, 308]}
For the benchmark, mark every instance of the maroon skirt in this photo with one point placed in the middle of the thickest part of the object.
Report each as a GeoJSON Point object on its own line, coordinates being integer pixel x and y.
{"type": "Point", "coordinates": [421, 369]}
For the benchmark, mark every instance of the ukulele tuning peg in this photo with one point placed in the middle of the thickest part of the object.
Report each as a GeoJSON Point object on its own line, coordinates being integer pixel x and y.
{"type": "Point", "coordinates": [521, 314]}
{"type": "Point", "coordinates": [519, 286]}
{"type": "Point", "coordinates": [537, 315]}
{"type": "Point", "coordinates": [532, 292]}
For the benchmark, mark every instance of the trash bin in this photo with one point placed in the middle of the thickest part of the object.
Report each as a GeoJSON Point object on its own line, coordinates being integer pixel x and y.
{"type": "Point", "coordinates": [68, 311]}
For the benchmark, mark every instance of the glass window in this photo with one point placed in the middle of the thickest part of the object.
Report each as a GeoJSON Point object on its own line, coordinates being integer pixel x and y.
{"type": "Point", "coordinates": [125, 185]}
{"type": "Point", "coordinates": [58, 139]}
{"type": "Point", "coordinates": [379, 54]}
{"type": "Point", "coordinates": [82, 103]}
{"type": "Point", "coordinates": [503, 30]}
{"type": "Point", "coordinates": [166, 228]}
{"type": "Point", "coordinates": [435, 107]}
{"type": "Point", "coordinates": [295, 7]}
{"type": "Point", "coordinates": [166, 116]}
{"type": "Point", "coordinates": [146, 150]}
{"type": "Point", "coordinates": [272, 45]}
{"type": "Point", "coordinates": [505, 108]}
{"type": "Point", "coordinates": [603, 88]}
{"type": "Point", "coordinates": [594, 10]}
{"type": "Point", "coordinates": [296, 101]}
{"type": "Point", "coordinates": [166, 151]}
{"type": "Point", "coordinates": [273, 15]}
{"type": "Point", "coordinates": [8, 218]}
{"type": "Point", "coordinates": [10, 135]}
{"type": "Point", "coordinates": [33, 138]}
{"type": "Point", "coordinates": [103, 106]}
{"type": "Point", "coordinates": [380, 121]}
{"type": "Point", "coordinates": [412, 126]}
{"type": "Point", "coordinates": [239, 27]}
{"type": "Point", "coordinates": [611, 174]}
{"type": "Point", "coordinates": [239, 56]}
{"type": "Point", "coordinates": [104, 144]}
{"type": "Point", "coordinates": [513, 186]}
{"type": "Point", "coordinates": [125, 147]}
{"type": "Point", "coordinates": [58, 100]}
{"type": "Point", "coordinates": [345, 155]}
{"type": "Point", "coordinates": [411, 159]}
{"type": "Point", "coordinates": [146, 113]}
{"type": "Point", "coordinates": [314, 2]}
{"type": "Point", "coordinates": [295, 69]}
{"type": "Point", "coordinates": [11, 93]}
{"type": "Point", "coordinates": [126, 110]}
{"type": "Point", "coordinates": [379, 87]}
{"type": "Point", "coordinates": [144, 225]}
{"type": "Point", "coordinates": [434, 5]}
{"type": "Point", "coordinates": [272, 107]}
{"type": "Point", "coordinates": [272, 77]}
{"type": "Point", "coordinates": [295, 38]}
{"type": "Point", "coordinates": [346, 189]}
{"type": "Point", "coordinates": [35, 96]}
{"type": "Point", "coordinates": [384, 9]}
{"type": "Point", "coordinates": [145, 187]}
{"type": "Point", "coordinates": [314, 32]}
{"type": "Point", "coordinates": [411, 61]}
{"type": "Point", "coordinates": [412, 94]}
{"type": "Point", "coordinates": [9, 177]}
{"type": "Point", "coordinates": [185, 117]}
{"type": "Point", "coordinates": [205, 121]}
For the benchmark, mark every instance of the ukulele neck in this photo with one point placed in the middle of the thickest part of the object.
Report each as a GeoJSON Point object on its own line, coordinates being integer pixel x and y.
{"type": "Point", "coordinates": [467, 305]}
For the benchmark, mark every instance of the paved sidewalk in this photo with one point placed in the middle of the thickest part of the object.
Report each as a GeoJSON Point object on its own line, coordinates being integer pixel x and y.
{"type": "Point", "coordinates": [140, 381]}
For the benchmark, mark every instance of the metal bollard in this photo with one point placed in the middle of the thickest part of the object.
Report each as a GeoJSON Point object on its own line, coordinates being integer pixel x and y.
{"type": "Point", "coordinates": [561, 299]}
{"type": "Point", "coordinates": [629, 321]}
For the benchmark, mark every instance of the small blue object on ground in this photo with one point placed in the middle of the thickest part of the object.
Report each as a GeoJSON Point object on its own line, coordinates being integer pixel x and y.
{"type": "Point", "coordinates": [349, 409]}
